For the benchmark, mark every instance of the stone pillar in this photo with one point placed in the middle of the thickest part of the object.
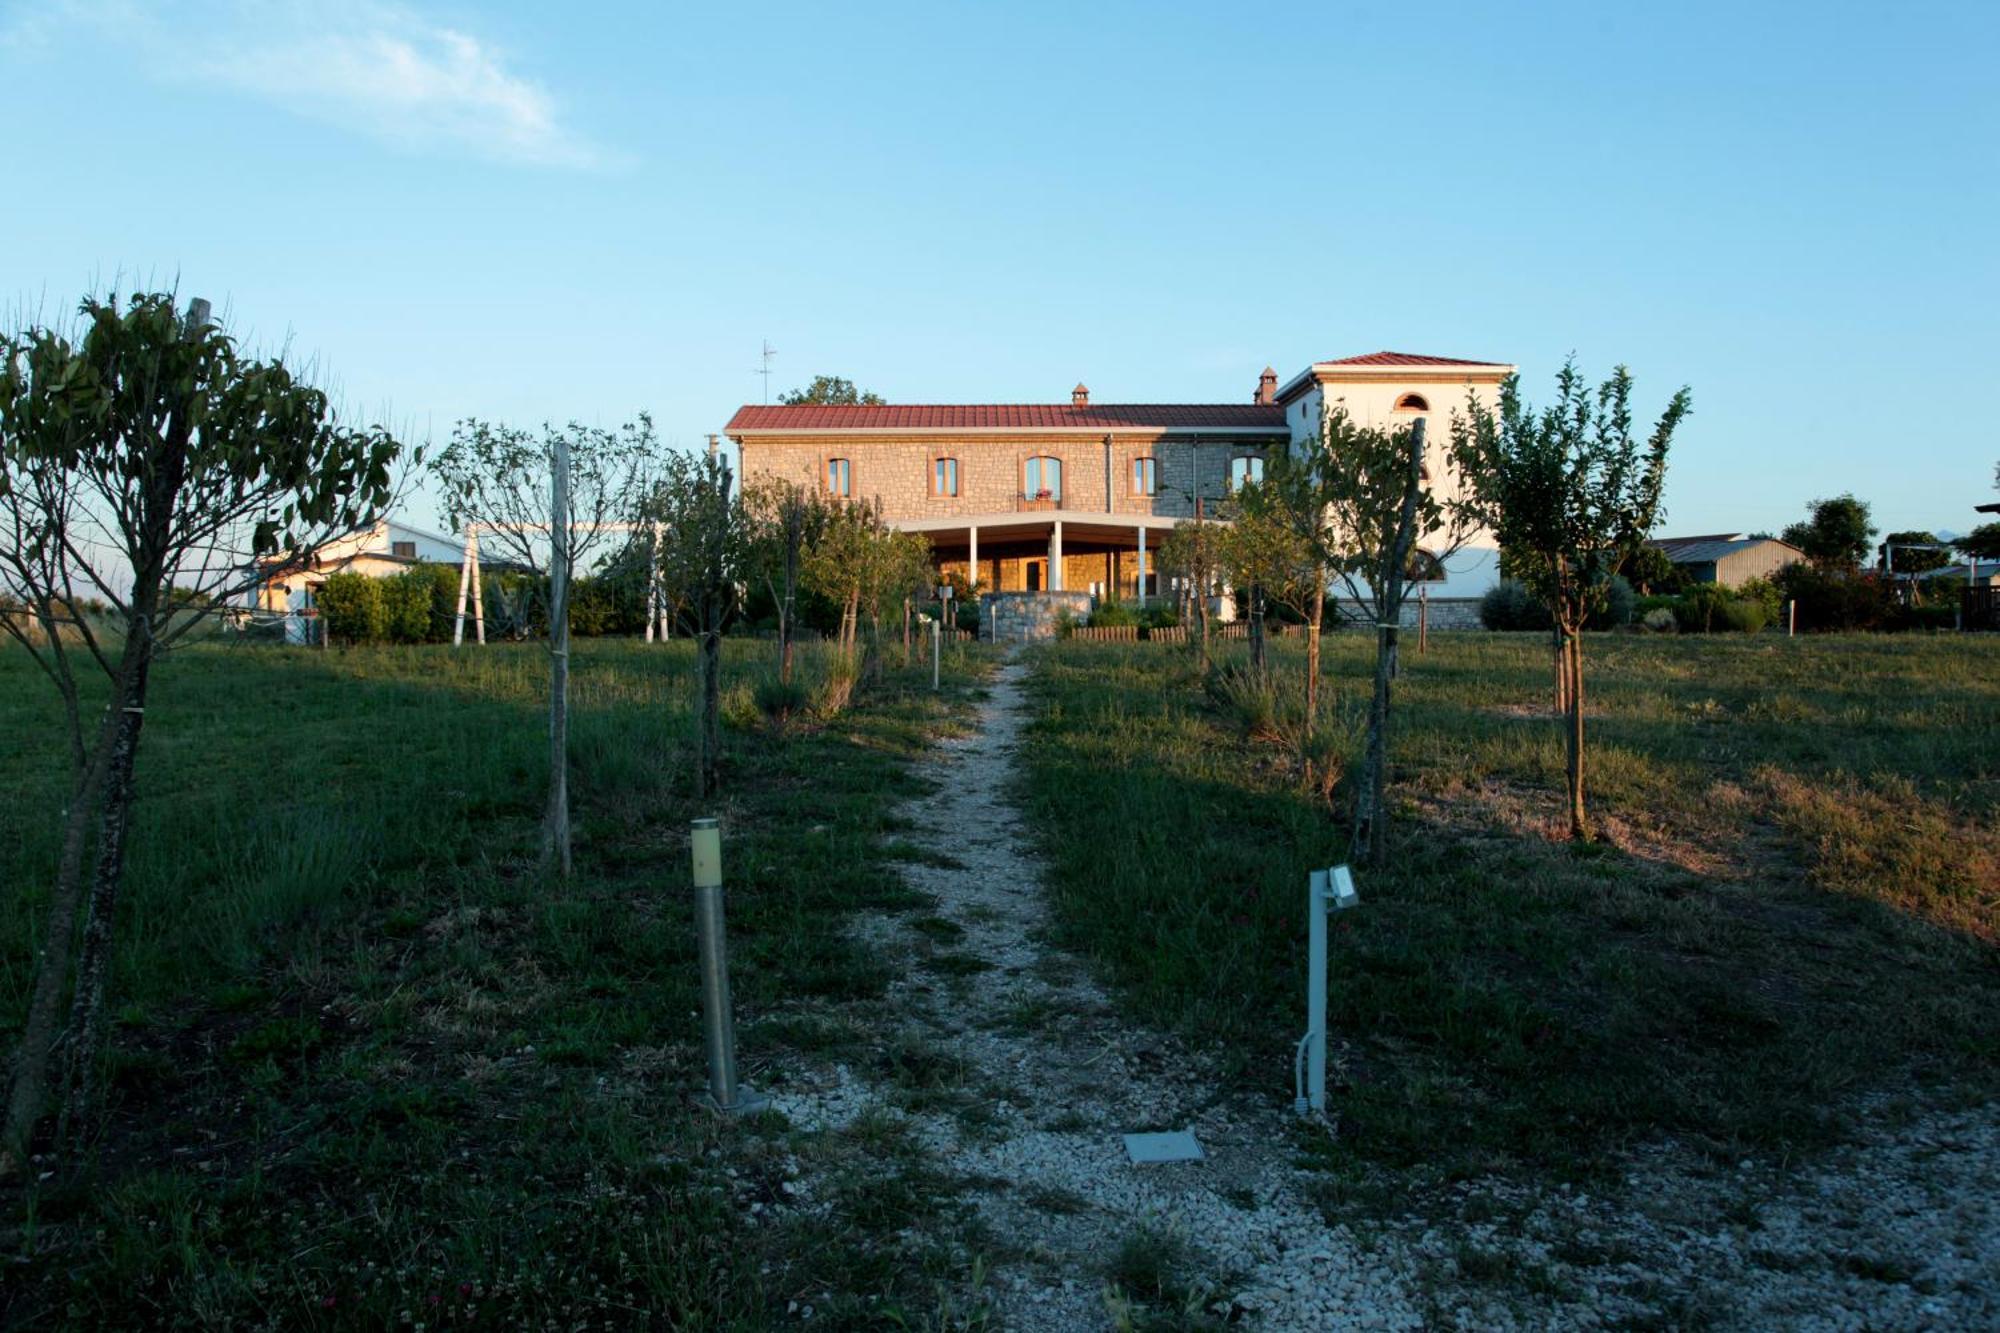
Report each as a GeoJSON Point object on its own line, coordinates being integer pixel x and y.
{"type": "Point", "coordinates": [1055, 557]}
{"type": "Point", "coordinates": [972, 537]}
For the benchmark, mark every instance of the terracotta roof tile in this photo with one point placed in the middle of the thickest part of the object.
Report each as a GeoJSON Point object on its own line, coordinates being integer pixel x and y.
{"type": "Point", "coordinates": [1010, 416]}
{"type": "Point", "coordinates": [1404, 359]}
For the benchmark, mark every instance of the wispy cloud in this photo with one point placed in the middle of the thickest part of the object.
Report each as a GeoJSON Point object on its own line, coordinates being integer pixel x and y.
{"type": "Point", "coordinates": [374, 68]}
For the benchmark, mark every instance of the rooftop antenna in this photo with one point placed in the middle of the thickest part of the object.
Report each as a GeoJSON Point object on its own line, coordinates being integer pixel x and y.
{"type": "Point", "coordinates": [769, 352]}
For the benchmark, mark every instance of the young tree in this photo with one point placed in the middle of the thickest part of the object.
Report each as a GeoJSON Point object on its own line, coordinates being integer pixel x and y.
{"type": "Point", "coordinates": [785, 522]}
{"type": "Point", "coordinates": [1982, 543]}
{"type": "Point", "coordinates": [896, 566]}
{"type": "Point", "coordinates": [1649, 571]}
{"type": "Point", "coordinates": [1569, 492]}
{"type": "Point", "coordinates": [1195, 554]}
{"type": "Point", "coordinates": [830, 391]}
{"type": "Point", "coordinates": [1913, 552]}
{"type": "Point", "coordinates": [547, 502]}
{"type": "Point", "coordinates": [703, 534]}
{"type": "Point", "coordinates": [837, 567]}
{"type": "Point", "coordinates": [145, 462]}
{"type": "Point", "coordinates": [1281, 540]}
{"type": "Point", "coordinates": [1382, 494]}
{"type": "Point", "coordinates": [1836, 534]}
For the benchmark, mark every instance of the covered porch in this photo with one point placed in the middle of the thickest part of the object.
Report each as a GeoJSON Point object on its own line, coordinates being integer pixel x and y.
{"type": "Point", "coordinates": [1055, 550]}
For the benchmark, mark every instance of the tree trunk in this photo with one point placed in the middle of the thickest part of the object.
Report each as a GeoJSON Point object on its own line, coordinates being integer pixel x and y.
{"type": "Point", "coordinates": [785, 640]}
{"type": "Point", "coordinates": [1201, 620]}
{"type": "Point", "coordinates": [1312, 659]}
{"type": "Point", "coordinates": [94, 958]}
{"type": "Point", "coordinates": [1559, 661]}
{"type": "Point", "coordinates": [555, 826]}
{"type": "Point", "coordinates": [707, 775]}
{"type": "Point", "coordinates": [1579, 821]}
{"type": "Point", "coordinates": [1257, 661]}
{"type": "Point", "coordinates": [29, 1090]}
{"type": "Point", "coordinates": [1371, 831]}
{"type": "Point", "coordinates": [785, 615]}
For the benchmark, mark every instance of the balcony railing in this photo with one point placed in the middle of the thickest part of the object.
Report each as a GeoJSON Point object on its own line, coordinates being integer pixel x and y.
{"type": "Point", "coordinates": [1039, 500]}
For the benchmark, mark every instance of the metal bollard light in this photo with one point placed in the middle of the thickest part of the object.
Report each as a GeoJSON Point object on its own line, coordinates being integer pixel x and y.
{"type": "Point", "coordinates": [937, 651]}
{"type": "Point", "coordinates": [718, 1018]}
{"type": "Point", "coordinates": [1327, 891]}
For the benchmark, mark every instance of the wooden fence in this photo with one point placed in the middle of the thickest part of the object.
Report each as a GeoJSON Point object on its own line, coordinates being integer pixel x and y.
{"type": "Point", "coordinates": [1236, 629]}
{"type": "Point", "coordinates": [1980, 607]}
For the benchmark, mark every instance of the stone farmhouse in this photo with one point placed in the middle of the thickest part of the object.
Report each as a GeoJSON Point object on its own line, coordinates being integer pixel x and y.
{"type": "Point", "coordinates": [1075, 497]}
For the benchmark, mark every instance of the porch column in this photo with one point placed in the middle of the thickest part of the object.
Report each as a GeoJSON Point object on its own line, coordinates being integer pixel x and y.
{"type": "Point", "coordinates": [1055, 557]}
{"type": "Point", "coordinates": [972, 538]}
{"type": "Point", "coordinates": [1142, 564]}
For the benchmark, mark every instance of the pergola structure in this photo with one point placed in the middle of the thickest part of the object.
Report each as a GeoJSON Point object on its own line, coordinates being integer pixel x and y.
{"type": "Point", "coordinates": [982, 541]}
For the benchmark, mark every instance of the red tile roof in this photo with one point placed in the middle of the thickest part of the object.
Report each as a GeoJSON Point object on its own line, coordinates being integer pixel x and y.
{"type": "Point", "coordinates": [1403, 359]}
{"type": "Point", "coordinates": [1011, 416]}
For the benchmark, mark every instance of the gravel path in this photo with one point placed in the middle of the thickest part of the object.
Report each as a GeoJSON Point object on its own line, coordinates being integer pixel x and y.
{"type": "Point", "coordinates": [1901, 1233]}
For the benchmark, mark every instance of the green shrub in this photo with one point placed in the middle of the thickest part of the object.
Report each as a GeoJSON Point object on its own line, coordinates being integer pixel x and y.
{"type": "Point", "coordinates": [835, 690]}
{"type": "Point", "coordinates": [610, 603]}
{"type": "Point", "coordinates": [778, 700]}
{"type": "Point", "coordinates": [1249, 696]}
{"type": "Point", "coordinates": [739, 706]}
{"type": "Point", "coordinates": [516, 606]}
{"type": "Point", "coordinates": [1158, 616]}
{"type": "Point", "coordinates": [1765, 594]}
{"type": "Point", "coordinates": [1711, 608]}
{"type": "Point", "coordinates": [1508, 605]}
{"type": "Point", "coordinates": [351, 606]}
{"type": "Point", "coordinates": [966, 617]}
{"type": "Point", "coordinates": [406, 606]}
{"type": "Point", "coordinates": [1931, 616]}
{"type": "Point", "coordinates": [442, 582]}
{"type": "Point", "coordinates": [1619, 603]}
{"type": "Point", "coordinates": [1112, 613]}
{"type": "Point", "coordinates": [1835, 599]}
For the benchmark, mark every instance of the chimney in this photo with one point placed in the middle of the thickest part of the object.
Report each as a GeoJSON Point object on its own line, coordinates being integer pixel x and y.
{"type": "Point", "coordinates": [1079, 396]}
{"type": "Point", "coordinates": [1267, 388]}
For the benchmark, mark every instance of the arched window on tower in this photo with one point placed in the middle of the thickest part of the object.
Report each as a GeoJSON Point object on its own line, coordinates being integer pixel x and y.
{"type": "Point", "coordinates": [1423, 567]}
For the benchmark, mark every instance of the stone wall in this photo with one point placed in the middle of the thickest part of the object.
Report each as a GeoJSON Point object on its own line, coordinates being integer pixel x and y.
{"type": "Point", "coordinates": [1027, 617]}
{"type": "Point", "coordinates": [1446, 613]}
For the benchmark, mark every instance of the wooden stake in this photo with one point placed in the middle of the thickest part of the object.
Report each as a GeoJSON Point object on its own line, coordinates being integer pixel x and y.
{"type": "Point", "coordinates": [555, 838]}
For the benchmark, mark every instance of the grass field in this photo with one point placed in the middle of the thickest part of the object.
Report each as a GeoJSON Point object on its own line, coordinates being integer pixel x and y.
{"type": "Point", "coordinates": [1793, 916]}
{"type": "Point", "coordinates": [371, 1068]}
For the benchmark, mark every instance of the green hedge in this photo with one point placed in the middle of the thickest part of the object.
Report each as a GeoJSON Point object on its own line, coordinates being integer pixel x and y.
{"type": "Point", "coordinates": [1711, 608]}
{"type": "Point", "coordinates": [351, 607]}
{"type": "Point", "coordinates": [420, 605]}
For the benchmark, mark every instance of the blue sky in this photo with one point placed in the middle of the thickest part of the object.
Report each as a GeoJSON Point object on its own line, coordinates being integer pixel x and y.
{"type": "Point", "coordinates": [530, 211]}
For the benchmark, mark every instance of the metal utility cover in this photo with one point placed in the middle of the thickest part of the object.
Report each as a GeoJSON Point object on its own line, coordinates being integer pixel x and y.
{"type": "Point", "coordinates": [1176, 1145]}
